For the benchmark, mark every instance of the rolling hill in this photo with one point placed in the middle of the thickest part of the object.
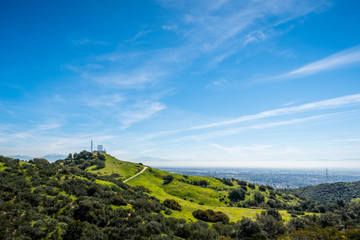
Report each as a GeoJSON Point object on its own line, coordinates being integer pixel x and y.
{"type": "Point", "coordinates": [191, 195]}
{"type": "Point", "coordinates": [96, 196]}
{"type": "Point", "coordinates": [328, 192]}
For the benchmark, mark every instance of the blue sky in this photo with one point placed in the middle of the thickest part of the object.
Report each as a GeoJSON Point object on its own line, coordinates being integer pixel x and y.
{"type": "Point", "coordinates": [183, 83]}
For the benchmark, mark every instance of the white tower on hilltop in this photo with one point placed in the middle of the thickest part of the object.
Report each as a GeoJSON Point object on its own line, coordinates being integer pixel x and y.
{"type": "Point", "coordinates": [99, 149]}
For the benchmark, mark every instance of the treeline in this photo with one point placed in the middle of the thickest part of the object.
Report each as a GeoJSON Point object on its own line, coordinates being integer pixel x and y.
{"type": "Point", "coordinates": [328, 193]}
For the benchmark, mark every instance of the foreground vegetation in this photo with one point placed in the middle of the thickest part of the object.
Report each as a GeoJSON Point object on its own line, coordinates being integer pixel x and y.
{"type": "Point", "coordinates": [67, 200]}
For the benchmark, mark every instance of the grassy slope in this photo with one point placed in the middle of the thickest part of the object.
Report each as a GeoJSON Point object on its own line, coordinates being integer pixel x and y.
{"type": "Point", "coordinates": [178, 190]}
{"type": "Point", "coordinates": [113, 165]}
{"type": "Point", "coordinates": [189, 196]}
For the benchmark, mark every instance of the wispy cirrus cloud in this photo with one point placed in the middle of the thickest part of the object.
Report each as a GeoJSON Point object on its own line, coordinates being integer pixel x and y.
{"type": "Point", "coordinates": [138, 35]}
{"type": "Point", "coordinates": [239, 21]}
{"type": "Point", "coordinates": [341, 59]}
{"type": "Point", "coordinates": [337, 60]}
{"type": "Point", "coordinates": [3, 108]}
{"type": "Point", "coordinates": [333, 103]}
{"type": "Point", "coordinates": [325, 104]}
{"type": "Point", "coordinates": [241, 148]}
{"type": "Point", "coordinates": [273, 124]}
{"type": "Point", "coordinates": [211, 31]}
{"type": "Point", "coordinates": [139, 112]}
{"type": "Point", "coordinates": [13, 135]}
{"type": "Point", "coordinates": [105, 100]}
{"type": "Point", "coordinates": [138, 78]}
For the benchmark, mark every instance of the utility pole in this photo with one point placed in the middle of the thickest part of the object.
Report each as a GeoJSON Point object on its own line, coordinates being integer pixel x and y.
{"type": "Point", "coordinates": [326, 175]}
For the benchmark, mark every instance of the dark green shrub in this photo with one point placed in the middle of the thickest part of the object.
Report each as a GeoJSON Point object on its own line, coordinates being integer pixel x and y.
{"type": "Point", "coordinates": [236, 195]}
{"type": "Point", "coordinates": [168, 179]}
{"type": "Point", "coordinates": [226, 182]}
{"type": "Point", "coordinates": [172, 204]}
{"type": "Point", "coordinates": [259, 198]}
{"type": "Point", "coordinates": [210, 216]}
{"type": "Point", "coordinates": [262, 188]}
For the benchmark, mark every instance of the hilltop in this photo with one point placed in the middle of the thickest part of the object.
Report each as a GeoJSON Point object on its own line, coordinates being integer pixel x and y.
{"type": "Point", "coordinates": [96, 196]}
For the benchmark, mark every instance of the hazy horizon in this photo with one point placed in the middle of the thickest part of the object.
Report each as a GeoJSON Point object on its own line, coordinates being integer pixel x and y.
{"type": "Point", "coordinates": [183, 83]}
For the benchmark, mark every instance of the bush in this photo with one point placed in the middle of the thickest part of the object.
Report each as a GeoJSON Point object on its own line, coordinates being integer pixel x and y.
{"type": "Point", "coordinates": [244, 188]}
{"type": "Point", "coordinates": [248, 229]}
{"type": "Point", "coordinates": [262, 188]}
{"type": "Point", "coordinates": [168, 179]}
{"type": "Point", "coordinates": [211, 216]}
{"type": "Point", "coordinates": [259, 197]}
{"type": "Point", "coordinates": [274, 213]}
{"type": "Point", "coordinates": [172, 204]}
{"type": "Point", "coordinates": [226, 182]}
{"type": "Point", "coordinates": [241, 183]}
{"type": "Point", "coordinates": [201, 183]}
{"type": "Point", "coordinates": [236, 195]}
{"type": "Point", "coordinates": [271, 225]}
{"type": "Point", "coordinates": [101, 157]}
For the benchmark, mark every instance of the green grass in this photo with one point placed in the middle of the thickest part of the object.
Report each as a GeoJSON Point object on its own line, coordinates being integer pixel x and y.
{"type": "Point", "coordinates": [2, 167]}
{"type": "Point", "coordinates": [105, 183]}
{"type": "Point", "coordinates": [177, 190]}
{"type": "Point", "coordinates": [115, 166]}
{"type": "Point", "coordinates": [189, 196]}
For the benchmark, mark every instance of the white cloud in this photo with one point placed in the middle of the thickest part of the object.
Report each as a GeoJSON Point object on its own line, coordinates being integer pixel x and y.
{"type": "Point", "coordinates": [136, 79]}
{"type": "Point", "coordinates": [169, 27]}
{"type": "Point", "coordinates": [3, 108]}
{"type": "Point", "coordinates": [338, 60]}
{"type": "Point", "coordinates": [46, 126]}
{"type": "Point", "coordinates": [240, 20]}
{"type": "Point", "coordinates": [241, 148]}
{"type": "Point", "coordinates": [218, 84]}
{"type": "Point", "coordinates": [105, 100]}
{"type": "Point", "coordinates": [139, 35]}
{"type": "Point", "coordinates": [254, 36]}
{"type": "Point", "coordinates": [232, 131]}
{"type": "Point", "coordinates": [333, 103]}
{"type": "Point", "coordinates": [140, 112]}
{"type": "Point", "coordinates": [325, 104]}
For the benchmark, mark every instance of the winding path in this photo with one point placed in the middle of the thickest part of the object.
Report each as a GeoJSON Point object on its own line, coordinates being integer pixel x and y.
{"type": "Point", "coordinates": [143, 170]}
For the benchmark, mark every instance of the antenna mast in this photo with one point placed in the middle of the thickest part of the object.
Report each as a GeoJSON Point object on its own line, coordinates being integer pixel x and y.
{"type": "Point", "coordinates": [91, 146]}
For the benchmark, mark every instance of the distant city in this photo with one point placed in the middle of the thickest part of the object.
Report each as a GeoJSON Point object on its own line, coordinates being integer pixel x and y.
{"type": "Point", "coordinates": [278, 178]}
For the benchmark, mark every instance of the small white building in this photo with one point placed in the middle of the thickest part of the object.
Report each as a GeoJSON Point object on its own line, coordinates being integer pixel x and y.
{"type": "Point", "coordinates": [100, 148]}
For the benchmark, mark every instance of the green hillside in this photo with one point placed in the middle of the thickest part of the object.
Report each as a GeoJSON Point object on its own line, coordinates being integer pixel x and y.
{"type": "Point", "coordinates": [114, 166]}
{"type": "Point", "coordinates": [85, 197]}
{"type": "Point", "coordinates": [191, 195]}
{"type": "Point", "coordinates": [329, 193]}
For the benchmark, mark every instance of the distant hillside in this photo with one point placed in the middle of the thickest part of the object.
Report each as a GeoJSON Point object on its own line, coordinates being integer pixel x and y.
{"type": "Point", "coordinates": [51, 157]}
{"type": "Point", "coordinates": [328, 192]}
{"type": "Point", "coordinates": [21, 157]}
